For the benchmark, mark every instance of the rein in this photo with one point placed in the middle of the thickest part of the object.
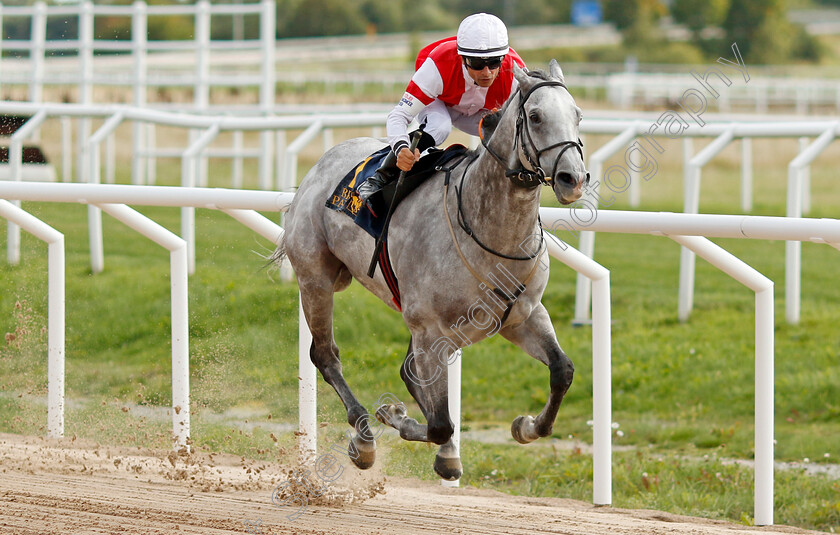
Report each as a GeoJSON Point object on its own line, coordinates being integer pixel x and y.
{"type": "Point", "coordinates": [509, 300]}
{"type": "Point", "coordinates": [523, 178]}
{"type": "Point", "coordinates": [536, 176]}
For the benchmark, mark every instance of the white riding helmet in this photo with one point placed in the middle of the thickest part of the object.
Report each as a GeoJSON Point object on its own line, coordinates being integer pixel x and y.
{"type": "Point", "coordinates": [482, 35]}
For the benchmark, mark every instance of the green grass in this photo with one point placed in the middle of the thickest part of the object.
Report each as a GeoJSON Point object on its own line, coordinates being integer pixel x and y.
{"type": "Point", "coordinates": [682, 392]}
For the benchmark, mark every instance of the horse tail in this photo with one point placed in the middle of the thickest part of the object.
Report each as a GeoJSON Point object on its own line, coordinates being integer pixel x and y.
{"type": "Point", "coordinates": [279, 253]}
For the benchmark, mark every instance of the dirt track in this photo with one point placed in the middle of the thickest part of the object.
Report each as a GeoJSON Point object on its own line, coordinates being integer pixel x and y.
{"type": "Point", "coordinates": [48, 487]}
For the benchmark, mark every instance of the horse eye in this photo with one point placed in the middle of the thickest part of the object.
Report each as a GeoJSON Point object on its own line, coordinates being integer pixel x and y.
{"type": "Point", "coordinates": [534, 117]}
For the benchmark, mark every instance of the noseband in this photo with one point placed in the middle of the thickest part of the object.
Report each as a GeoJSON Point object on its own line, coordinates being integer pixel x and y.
{"type": "Point", "coordinates": [536, 176]}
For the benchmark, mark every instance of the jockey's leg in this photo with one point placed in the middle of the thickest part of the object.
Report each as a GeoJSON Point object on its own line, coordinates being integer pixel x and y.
{"type": "Point", "coordinates": [386, 173]}
{"type": "Point", "coordinates": [438, 119]}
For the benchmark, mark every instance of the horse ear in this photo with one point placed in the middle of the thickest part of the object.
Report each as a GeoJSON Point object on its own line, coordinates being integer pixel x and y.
{"type": "Point", "coordinates": [555, 70]}
{"type": "Point", "coordinates": [520, 74]}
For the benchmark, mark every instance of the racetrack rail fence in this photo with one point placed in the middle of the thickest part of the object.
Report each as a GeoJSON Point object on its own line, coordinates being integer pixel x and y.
{"type": "Point", "coordinates": [690, 230]}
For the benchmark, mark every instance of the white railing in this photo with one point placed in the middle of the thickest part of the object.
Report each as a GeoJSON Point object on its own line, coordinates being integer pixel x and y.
{"type": "Point", "coordinates": [802, 95]}
{"type": "Point", "coordinates": [629, 134]}
{"type": "Point", "coordinates": [199, 63]}
{"type": "Point", "coordinates": [202, 64]}
{"type": "Point", "coordinates": [206, 128]}
{"type": "Point", "coordinates": [241, 204]}
{"type": "Point", "coordinates": [690, 230]}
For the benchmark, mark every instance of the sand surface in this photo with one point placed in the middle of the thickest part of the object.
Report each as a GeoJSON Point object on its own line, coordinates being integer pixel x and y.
{"type": "Point", "coordinates": [70, 487]}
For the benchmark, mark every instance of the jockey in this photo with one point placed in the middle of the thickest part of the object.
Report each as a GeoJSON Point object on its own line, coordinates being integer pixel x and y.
{"type": "Point", "coordinates": [457, 81]}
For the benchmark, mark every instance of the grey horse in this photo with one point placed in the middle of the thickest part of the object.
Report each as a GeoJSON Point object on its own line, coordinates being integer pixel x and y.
{"type": "Point", "coordinates": [455, 290]}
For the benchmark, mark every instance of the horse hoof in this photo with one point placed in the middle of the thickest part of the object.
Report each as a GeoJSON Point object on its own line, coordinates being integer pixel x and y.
{"type": "Point", "coordinates": [448, 468]}
{"type": "Point", "coordinates": [522, 429]}
{"type": "Point", "coordinates": [362, 452]}
{"type": "Point", "coordinates": [391, 414]}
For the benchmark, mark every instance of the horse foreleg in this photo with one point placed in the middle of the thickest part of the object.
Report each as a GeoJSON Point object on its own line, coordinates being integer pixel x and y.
{"type": "Point", "coordinates": [536, 337]}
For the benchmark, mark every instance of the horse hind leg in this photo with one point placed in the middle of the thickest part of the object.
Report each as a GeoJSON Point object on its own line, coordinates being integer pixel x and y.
{"type": "Point", "coordinates": [427, 382]}
{"type": "Point", "coordinates": [317, 301]}
{"type": "Point", "coordinates": [447, 460]}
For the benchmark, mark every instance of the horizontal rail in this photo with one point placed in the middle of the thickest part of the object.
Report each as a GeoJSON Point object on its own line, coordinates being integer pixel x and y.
{"type": "Point", "coordinates": [213, 198]}
{"type": "Point", "coordinates": [709, 225]}
{"type": "Point", "coordinates": [166, 118]}
{"type": "Point", "coordinates": [715, 126]}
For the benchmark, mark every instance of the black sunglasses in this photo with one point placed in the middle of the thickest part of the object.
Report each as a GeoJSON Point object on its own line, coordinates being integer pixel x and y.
{"type": "Point", "coordinates": [478, 64]}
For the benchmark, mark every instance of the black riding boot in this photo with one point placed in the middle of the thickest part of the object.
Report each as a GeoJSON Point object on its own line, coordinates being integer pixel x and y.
{"type": "Point", "coordinates": [386, 173]}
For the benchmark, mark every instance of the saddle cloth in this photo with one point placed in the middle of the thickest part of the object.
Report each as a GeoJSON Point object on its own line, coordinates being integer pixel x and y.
{"type": "Point", "coordinates": [345, 199]}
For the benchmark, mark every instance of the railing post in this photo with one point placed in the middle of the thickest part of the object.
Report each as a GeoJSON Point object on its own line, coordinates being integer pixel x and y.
{"type": "Point", "coordinates": [179, 310]}
{"type": "Point", "coordinates": [793, 249]}
{"type": "Point", "coordinates": [2, 36]}
{"type": "Point", "coordinates": [583, 294]}
{"type": "Point", "coordinates": [746, 175]}
{"type": "Point", "coordinates": [764, 365]}
{"type": "Point", "coordinates": [201, 88]}
{"type": "Point", "coordinates": [66, 149]}
{"type": "Point", "coordinates": [37, 52]}
{"type": "Point", "coordinates": [601, 364]}
{"type": "Point", "coordinates": [806, 179]}
{"type": "Point", "coordinates": [290, 176]}
{"type": "Point", "coordinates": [307, 393]}
{"type": "Point", "coordinates": [55, 310]}
{"type": "Point", "coordinates": [97, 251]}
{"type": "Point", "coordinates": [189, 170]}
{"type": "Point", "coordinates": [85, 87]}
{"type": "Point", "coordinates": [280, 142]}
{"type": "Point", "coordinates": [691, 205]}
{"type": "Point", "coordinates": [267, 88]}
{"type": "Point", "coordinates": [29, 128]}
{"type": "Point", "coordinates": [139, 30]}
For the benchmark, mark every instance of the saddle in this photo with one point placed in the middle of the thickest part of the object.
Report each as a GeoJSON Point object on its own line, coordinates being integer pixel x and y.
{"type": "Point", "coordinates": [345, 200]}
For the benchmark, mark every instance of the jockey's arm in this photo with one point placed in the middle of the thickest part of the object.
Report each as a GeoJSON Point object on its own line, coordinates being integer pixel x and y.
{"type": "Point", "coordinates": [396, 128]}
{"type": "Point", "coordinates": [425, 86]}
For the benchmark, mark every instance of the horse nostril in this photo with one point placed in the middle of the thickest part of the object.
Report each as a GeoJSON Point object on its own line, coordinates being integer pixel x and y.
{"type": "Point", "coordinates": [566, 178]}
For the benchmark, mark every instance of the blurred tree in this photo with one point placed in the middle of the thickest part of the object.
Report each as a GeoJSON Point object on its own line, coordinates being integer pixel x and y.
{"type": "Point", "coordinates": [462, 8]}
{"type": "Point", "coordinates": [518, 13]}
{"type": "Point", "coordinates": [110, 27]}
{"type": "Point", "coordinates": [224, 27]}
{"type": "Point", "coordinates": [166, 27]}
{"type": "Point", "coordinates": [763, 33]}
{"type": "Point", "coordinates": [430, 15]}
{"type": "Point", "coordinates": [626, 14]}
{"type": "Point", "coordinates": [386, 16]}
{"type": "Point", "coordinates": [697, 14]}
{"type": "Point", "coordinates": [326, 17]}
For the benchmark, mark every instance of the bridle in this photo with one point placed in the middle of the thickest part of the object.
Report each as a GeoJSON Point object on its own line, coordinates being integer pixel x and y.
{"type": "Point", "coordinates": [536, 175]}
{"type": "Point", "coordinates": [523, 178]}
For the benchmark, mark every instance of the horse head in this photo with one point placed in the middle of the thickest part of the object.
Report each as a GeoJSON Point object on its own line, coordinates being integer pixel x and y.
{"type": "Point", "coordinates": [547, 148]}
